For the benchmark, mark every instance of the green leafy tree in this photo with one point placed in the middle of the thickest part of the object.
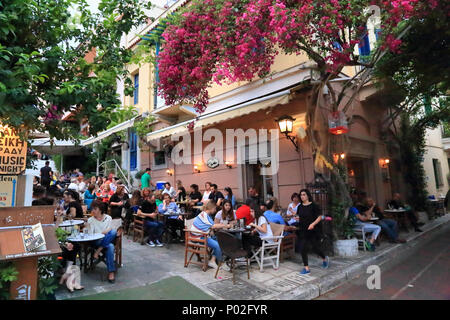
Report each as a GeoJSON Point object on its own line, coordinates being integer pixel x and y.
{"type": "Point", "coordinates": [416, 86]}
{"type": "Point", "coordinates": [43, 73]}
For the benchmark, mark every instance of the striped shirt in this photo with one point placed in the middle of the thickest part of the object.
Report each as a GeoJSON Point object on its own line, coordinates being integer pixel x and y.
{"type": "Point", "coordinates": [202, 223]}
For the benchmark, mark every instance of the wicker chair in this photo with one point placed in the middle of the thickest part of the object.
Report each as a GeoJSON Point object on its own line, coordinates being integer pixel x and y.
{"type": "Point", "coordinates": [232, 248]}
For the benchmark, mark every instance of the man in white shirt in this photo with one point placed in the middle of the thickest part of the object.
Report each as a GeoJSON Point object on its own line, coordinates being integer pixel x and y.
{"type": "Point", "coordinates": [81, 186]}
{"type": "Point", "coordinates": [169, 190]}
{"type": "Point", "coordinates": [73, 184]}
{"type": "Point", "coordinates": [207, 192]}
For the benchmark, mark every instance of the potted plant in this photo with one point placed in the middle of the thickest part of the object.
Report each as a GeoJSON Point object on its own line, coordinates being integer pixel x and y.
{"type": "Point", "coordinates": [8, 273]}
{"type": "Point", "coordinates": [345, 244]}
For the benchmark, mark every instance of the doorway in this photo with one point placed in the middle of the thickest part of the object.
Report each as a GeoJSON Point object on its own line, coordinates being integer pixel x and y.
{"type": "Point", "coordinates": [262, 183]}
{"type": "Point", "coordinates": [361, 175]}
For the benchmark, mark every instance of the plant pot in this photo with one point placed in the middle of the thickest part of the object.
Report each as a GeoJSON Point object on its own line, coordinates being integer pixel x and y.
{"type": "Point", "coordinates": [346, 248]}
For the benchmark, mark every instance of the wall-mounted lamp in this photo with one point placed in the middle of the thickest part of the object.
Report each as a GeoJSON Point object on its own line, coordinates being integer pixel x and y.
{"type": "Point", "coordinates": [384, 163]}
{"type": "Point", "coordinates": [338, 156]}
{"type": "Point", "coordinates": [229, 164]}
{"type": "Point", "coordinates": [286, 124]}
{"type": "Point", "coordinates": [351, 173]}
{"type": "Point", "coordinates": [169, 172]}
{"type": "Point", "coordinates": [196, 168]}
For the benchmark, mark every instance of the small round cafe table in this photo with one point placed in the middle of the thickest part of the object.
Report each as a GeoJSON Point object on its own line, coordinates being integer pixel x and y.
{"type": "Point", "coordinates": [399, 216]}
{"type": "Point", "coordinates": [85, 240]}
{"type": "Point", "coordinates": [70, 223]}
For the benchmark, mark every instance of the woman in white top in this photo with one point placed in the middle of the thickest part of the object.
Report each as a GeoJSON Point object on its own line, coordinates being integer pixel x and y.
{"type": "Point", "coordinates": [261, 231]}
{"type": "Point", "coordinates": [292, 208]}
{"type": "Point", "coordinates": [207, 192]}
{"type": "Point", "coordinates": [227, 215]}
{"type": "Point", "coordinates": [100, 222]}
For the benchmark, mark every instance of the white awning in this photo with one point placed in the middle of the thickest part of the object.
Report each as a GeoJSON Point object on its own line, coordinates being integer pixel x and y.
{"type": "Point", "coordinates": [102, 135]}
{"type": "Point", "coordinates": [64, 147]}
{"type": "Point", "coordinates": [225, 114]}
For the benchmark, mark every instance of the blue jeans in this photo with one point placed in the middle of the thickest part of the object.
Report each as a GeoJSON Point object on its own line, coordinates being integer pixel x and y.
{"type": "Point", "coordinates": [155, 229]}
{"type": "Point", "coordinates": [106, 243]}
{"type": "Point", "coordinates": [390, 227]}
{"type": "Point", "coordinates": [373, 229]}
{"type": "Point", "coordinates": [214, 245]}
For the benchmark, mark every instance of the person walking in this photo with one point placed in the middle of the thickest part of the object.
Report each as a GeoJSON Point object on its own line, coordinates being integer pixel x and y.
{"type": "Point", "coordinates": [146, 179]}
{"type": "Point", "coordinates": [45, 175]}
{"type": "Point", "coordinates": [308, 216]}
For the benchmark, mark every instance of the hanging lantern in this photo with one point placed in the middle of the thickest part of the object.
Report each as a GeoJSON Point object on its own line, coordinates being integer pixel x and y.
{"type": "Point", "coordinates": [337, 123]}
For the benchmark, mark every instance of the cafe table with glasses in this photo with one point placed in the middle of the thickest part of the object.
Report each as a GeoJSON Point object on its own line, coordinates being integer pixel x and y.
{"type": "Point", "coordinates": [399, 215]}
{"type": "Point", "coordinates": [85, 239]}
{"type": "Point", "coordinates": [70, 223]}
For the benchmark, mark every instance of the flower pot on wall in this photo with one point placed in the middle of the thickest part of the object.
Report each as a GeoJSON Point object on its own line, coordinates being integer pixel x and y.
{"type": "Point", "coordinates": [346, 248]}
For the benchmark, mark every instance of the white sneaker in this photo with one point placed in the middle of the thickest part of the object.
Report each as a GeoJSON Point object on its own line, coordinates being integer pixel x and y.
{"type": "Point", "coordinates": [225, 267]}
{"type": "Point", "coordinates": [212, 264]}
{"type": "Point", "coordinates": [151, 244]}
{"type": "Point", "coordinates": [159, 244]}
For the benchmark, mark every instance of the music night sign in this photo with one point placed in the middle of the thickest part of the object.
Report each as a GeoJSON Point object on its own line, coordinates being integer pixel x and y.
{"type": "Point", "coordinates": [13, 152]}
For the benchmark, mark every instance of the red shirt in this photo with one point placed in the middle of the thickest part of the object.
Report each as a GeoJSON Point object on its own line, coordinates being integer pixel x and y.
{"type": "Point", "coordinates": [243, 212]}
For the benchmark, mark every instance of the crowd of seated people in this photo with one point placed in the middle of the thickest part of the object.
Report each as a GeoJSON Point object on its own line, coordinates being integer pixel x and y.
{"type": "Point", "coordinates": [364, 209]}
{"type": "Point", "coordinates": [212, 210]}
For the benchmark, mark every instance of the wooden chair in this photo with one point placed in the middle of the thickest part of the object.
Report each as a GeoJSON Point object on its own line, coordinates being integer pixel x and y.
{"type": "Point", "coordinates": [128, 222]}
{"type": "Point", "coordinates": [288, 246]}
{"type": "Point", "coordinates": [232, 248]}
{"type": "Point", "coordinates": [270, 251]}
{"type": "Point", "coordinates": [195, 245]}
{"type": "Point", "coordinates": [138, 228]}
{"type": "Point", "coordinates": [116, 225]}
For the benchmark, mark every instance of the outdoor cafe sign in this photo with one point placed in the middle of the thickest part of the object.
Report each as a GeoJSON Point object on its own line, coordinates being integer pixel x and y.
{"type": "Point", "coordinates": [13, 152]}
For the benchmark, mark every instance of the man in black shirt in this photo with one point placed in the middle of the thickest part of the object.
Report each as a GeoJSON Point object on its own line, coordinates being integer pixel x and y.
{"type": "Point", "coordinates": [195, 195]}
{"type": "Point", "coordinates": [45, 175]}
{"type": "Point", "coordinates": [155, 228]}
{"type": "Point", "coordinates": [216, 195]}
{"type": "Point", "coordinates": [389, 226]}
{"type": "Point", "coordinates": [60, 185]}
{"type": "Point", "coordinates": [40, 198]}
{"type": "Point", "coordinates": [195, 199]}
{"type": "Point", "coordinates": [397, 203]}
{"type": "Point", "coordinates": [253, 198]}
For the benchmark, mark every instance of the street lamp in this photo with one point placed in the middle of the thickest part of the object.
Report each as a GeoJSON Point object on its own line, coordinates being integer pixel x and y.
{"type": "Point", "coordinates": [286, 124]}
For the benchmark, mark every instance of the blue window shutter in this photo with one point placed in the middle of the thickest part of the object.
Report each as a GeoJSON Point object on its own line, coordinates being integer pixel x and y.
{"type": "Point", "coordinates": [136, 88]}
{"type": "Point", "coordinates": [133, 150]}
{"type": "Point", "coordinates": [364, 45]}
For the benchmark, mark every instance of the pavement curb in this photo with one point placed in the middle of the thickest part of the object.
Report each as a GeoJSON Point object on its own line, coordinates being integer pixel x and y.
{"type": "Point", "coordinates": [329, 282]}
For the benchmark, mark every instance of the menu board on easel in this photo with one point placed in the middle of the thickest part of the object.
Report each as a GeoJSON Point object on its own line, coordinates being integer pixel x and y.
{"type": "Point", "coordinates": [33, 238]}
{"type": "Point", "coordinates": [25, 256]}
